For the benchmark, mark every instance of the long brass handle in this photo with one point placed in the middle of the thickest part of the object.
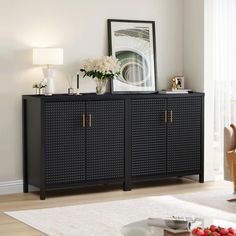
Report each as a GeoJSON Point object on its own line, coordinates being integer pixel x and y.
{"type": "Point", "coordinates": [171, 116]}
{"type": "Point", "coordinates": [83, 120]}
{"type": "Point", "coordinates": [165, 116]}
{"type": "Point", "coordinates": [90, 120]}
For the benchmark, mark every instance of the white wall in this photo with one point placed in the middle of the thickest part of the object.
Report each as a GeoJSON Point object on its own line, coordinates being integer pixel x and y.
{"type": "Point", "coordinates": [196, 62]}
{"type": "Point", "coordinates": [79, 26]}
{"type": "Point", "coordinates": [194, 44]}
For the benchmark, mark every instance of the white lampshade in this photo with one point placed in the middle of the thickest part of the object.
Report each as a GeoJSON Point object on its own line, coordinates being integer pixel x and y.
{"type": "Point", "coordinates": [47, 56]}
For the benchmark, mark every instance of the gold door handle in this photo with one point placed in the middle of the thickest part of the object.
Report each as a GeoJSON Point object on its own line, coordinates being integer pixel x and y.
{"type": "Point", "coordinates": [171, 116]}
{"type": "Point", "coordinates": [83, 120]}
{"type": "Point", "coordinates": [165, 116]}
{"type": "Point", "coordinates": [90, 120]}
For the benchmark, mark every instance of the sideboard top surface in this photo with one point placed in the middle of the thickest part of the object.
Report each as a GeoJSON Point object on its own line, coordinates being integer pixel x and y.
{"type": "Point", "coordinates": [93, 96]}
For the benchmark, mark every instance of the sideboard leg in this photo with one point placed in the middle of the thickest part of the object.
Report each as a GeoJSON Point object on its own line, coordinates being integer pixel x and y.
{"type": "Point", "coordinates": [42, 194]}
{"type": "Point", "coordinates": [126, 186]}
{"type": "Point", "coordinates": [201, 178]}
{"type": "Point", "coordinates": [25, 187]}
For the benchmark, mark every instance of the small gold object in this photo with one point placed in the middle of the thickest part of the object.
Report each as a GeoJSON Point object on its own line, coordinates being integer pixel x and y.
{"type": "Point", "coordinates": [83, 120]}
{"type": "Point", "coordinates": [173, 84]}
{"type": "Point", "coordinates": [177, 82]}
{"type": "Point", "coordinates": [90, 121]}
{"type": "Point", "coordinates": [171, 117]}
{"type": "Point", "coordinates": [165, 116]}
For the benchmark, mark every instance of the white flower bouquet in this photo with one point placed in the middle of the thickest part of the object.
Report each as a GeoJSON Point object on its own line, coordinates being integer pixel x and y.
{"type": "Point", "coordinates": [40, 85]}
{"type": "Point", "coordinates": [102, 69]}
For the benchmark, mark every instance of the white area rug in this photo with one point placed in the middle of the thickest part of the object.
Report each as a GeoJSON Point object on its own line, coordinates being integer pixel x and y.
{"type": "Point", "coordinates": [106, 219]}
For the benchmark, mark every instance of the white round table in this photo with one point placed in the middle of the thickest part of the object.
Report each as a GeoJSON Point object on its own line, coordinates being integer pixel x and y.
{"type": "Point", "coordinates": [141, 228]}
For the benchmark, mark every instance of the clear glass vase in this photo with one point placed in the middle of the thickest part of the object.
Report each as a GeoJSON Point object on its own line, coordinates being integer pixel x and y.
{"type": "Point", "coordinates": [101, 85]}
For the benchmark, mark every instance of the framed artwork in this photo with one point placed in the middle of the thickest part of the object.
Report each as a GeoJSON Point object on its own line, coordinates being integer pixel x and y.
{"type": "Point", "coordinates": [134, 44]}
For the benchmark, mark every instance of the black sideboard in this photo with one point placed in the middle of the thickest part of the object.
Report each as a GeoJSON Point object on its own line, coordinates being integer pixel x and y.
{"type": "Point", "coordinates": [72, 141]}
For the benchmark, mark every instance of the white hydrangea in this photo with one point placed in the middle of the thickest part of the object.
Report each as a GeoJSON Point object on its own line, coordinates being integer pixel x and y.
{"type": "Point", "coordinates": [89, 65]}
{"type": "Point", "coordinates": [105, 65]}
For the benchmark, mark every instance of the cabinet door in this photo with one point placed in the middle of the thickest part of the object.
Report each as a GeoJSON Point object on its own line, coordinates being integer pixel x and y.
{"type": "Point", "coordinates": [148, 137]}
{"type": "Point", "coordinates": [105, 140]}
{"type": "Point", "coordinates": [65, 142]}
{"type": "Point", "coordinates": [184, 134]}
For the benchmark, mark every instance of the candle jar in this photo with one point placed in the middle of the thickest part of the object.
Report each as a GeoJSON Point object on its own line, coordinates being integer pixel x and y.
{"type": "Point", "coordinates": [70, 91]}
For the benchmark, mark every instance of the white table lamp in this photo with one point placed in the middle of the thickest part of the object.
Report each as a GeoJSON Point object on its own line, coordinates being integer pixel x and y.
{"type": "Point", "coordinates": [48, 57]}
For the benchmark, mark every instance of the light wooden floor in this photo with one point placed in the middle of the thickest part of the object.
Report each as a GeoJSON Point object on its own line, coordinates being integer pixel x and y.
{"type": "Point", "coordinates": [12, 227]}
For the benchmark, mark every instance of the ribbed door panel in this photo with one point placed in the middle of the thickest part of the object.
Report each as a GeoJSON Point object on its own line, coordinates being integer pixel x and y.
{"type": "Point", "coordinates": [105, 140]}
{"type": "Point", "coordinates": [65, 142]}
{"type": "Point", "coordinates": [148, 137]}
{"type": "Point", "coordinates": [184, 135]}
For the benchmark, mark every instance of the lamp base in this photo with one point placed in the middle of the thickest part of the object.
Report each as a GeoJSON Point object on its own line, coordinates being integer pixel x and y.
{"type": "Point", "coordinates": [48, 75]}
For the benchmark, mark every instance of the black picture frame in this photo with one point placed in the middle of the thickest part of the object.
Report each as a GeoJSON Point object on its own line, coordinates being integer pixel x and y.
{"type": "Point", "coordinates": [153, 66]}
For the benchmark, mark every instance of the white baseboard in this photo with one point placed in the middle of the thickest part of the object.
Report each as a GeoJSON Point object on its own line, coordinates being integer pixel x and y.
{"type": "Point", "coordinates": [8, 187]}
